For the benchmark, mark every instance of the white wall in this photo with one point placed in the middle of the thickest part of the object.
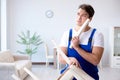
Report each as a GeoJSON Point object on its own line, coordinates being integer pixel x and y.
{"type": "Point", "coordinates": [30, 14]}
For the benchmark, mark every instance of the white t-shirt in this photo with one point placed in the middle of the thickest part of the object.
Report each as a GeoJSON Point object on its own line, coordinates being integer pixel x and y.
{"type": "Point", "coordinates": [98, 39]}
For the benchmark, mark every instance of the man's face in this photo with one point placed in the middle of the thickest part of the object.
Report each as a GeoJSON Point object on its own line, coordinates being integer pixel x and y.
{"type": "Point", "coordinates": [82, 15]}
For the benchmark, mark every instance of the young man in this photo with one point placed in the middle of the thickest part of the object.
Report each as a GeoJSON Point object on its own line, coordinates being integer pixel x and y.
{"type": "Point", "coordinates": [87, 48]}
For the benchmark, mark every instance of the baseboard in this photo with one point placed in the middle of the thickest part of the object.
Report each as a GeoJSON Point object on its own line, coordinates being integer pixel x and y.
{"type": "Point", "coordinates": [42, 63]}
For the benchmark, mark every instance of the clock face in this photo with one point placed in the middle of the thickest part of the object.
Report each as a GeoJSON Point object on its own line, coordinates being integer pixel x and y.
{"type": "Point", "coordinates": [49, 14]}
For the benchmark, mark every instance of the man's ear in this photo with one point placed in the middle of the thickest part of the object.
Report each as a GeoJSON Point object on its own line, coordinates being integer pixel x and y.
{"type": "Point", "coordinates": [90, 18]}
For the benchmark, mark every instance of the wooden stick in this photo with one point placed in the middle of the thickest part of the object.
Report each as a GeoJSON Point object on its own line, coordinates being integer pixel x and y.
{"type": "Point", "coordinates": [79, 73]}
{"type": "Point", "coordinates": [31, 74]}
{"type": "Point", "coordinates": [81, 29]}
{"type": "Point", "coordinates": [76, 72]}
{"type": "Point", "coordinates": [15, 77]}
{"type": "Point", "coordinates": [61, 52]}
{"type": "Point", "coordinates": [68, 75]}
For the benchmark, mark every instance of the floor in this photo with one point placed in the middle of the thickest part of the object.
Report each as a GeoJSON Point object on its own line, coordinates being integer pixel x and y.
{"type": "Point", "coordinates": [50, 73]}
{"type": "Point", "coordinates": [44, 73]}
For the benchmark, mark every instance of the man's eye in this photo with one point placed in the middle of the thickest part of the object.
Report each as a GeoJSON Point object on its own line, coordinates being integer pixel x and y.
{"type": "Point", "coordinates": [85, 15]}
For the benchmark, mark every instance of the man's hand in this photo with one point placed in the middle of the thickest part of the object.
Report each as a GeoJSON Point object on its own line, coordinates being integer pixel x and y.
{"type": "Point", "coordinates": [73, 61]}
{"type": "Point", "coordinates": [75, 41]}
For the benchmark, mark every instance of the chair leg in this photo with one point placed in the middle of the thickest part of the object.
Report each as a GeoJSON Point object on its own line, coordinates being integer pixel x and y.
{"type": "Point", "coordinates": [47, 63]}
{"type": "Point", "coordinates": [76, 72]}
{"type": "Point", "coordinates": [31, 74]}
{"type": "Point", "coordinates": [66, 76]}
{"type": "Point", "coordinates": [58, 64]}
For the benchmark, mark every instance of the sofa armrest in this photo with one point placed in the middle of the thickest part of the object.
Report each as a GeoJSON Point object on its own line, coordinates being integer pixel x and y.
{"type": "Point", "coordinates": [7, 69]}
{"type": "Point", "coordinates": [4, 66]}
{"type": "Point", "coordinates": [21, 57]}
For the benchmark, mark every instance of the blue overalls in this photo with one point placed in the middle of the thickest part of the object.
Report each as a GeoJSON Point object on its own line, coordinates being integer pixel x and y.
{"type": "Point", "coordinates": [85, 65]}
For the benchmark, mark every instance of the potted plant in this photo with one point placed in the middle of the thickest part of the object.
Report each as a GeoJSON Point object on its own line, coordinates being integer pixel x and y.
{"type": "Point", "coordinates": [31, 43]}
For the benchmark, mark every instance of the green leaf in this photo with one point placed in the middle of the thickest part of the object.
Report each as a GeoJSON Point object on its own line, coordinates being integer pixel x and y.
{"type": "Point", "coordinates": [21, 52]}
{"type": "Point", "coordinates": [31, 43]}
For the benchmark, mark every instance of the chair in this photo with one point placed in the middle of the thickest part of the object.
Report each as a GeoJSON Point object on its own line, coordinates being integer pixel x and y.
{"type": "Point", "coordinates": [48, 57]}
{"type": "Point", "coordinates": [29, 72]}
{"type": "Point", "coordinates": [13, 64]}
{"type": "Point", "coordinates": [76, 72]}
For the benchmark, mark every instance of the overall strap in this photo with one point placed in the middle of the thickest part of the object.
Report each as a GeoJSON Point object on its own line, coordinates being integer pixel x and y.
{"type": "Point", "coordinates": [91, 36]}
{"type": "Point", "coordinates": [70, 36]}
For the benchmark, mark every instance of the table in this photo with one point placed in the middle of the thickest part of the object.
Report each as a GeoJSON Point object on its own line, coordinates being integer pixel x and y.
{"type": "Point", "coordinates": [56, 59]}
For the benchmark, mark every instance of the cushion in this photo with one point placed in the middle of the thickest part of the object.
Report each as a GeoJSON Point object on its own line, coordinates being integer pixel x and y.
{"type": "Point", "coordinates": [6, 56]}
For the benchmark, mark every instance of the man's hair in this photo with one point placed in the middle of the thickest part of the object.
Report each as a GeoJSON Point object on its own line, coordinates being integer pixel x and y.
{"type": "Point", "coordinates": [88, 8]}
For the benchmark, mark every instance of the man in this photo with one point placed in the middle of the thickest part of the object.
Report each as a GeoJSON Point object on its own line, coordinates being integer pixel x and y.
{"type": "Point", "coordinates": [87, 48]}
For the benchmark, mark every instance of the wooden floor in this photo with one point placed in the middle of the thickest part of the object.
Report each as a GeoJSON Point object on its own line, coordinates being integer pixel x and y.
{"type": "Point", "coordinates": [50, 73]}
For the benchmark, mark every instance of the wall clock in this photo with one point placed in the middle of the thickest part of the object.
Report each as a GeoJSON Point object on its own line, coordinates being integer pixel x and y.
{"type": "Point", "coordinates": [49, 13]}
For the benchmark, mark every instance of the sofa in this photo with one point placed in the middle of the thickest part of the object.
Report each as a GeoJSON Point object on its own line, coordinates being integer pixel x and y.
{"type": "Point", "coordinates": [13, 64]}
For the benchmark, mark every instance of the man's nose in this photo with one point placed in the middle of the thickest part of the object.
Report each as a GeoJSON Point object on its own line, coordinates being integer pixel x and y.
{"type": "Point", "coordinates": [79, 17]}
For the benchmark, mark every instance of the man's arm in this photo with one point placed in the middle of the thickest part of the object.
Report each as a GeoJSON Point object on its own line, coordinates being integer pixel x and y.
{"type": "Point", "coordinates": [93, 57]}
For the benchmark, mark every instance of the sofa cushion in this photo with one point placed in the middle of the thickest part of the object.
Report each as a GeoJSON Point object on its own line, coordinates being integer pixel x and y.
{"type": "Point", "coordinates": [6, 56]}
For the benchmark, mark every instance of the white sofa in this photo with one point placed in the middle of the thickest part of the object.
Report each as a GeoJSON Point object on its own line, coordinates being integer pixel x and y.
{"type": "Point", "coordinates": [13, 64]}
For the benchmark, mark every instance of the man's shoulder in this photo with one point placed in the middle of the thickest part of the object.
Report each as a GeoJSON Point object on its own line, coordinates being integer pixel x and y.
{"type": "Point", "coordinates": [68, 30]}
{"type": "Point", "coordinates": [97, 32]}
